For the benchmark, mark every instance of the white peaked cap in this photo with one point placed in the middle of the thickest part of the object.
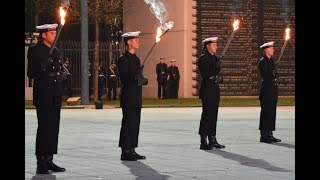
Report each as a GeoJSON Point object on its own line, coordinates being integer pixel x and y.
{"type": "Point", "coordinates": [47, 26]}
{"type": "Point", "coordinates": [131, 34]}
{"type": "Point", "coordinates": [210, 39]}
{"type": "Point", "coordinates": [268, 44]}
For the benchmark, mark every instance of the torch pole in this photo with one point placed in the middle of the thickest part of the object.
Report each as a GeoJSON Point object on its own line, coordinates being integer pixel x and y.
{"type": "Point", "coordinates": [149, 52]}
{"type": "Point", "coordinates": [154, 46]}
{"type": "Point", "coordinates": [228, 43]}
{"type": "Point", "coordinates": [164, 33]}
{"type": "Point", "coordinates": [282, 50]}
{"type": "Point", "coordinates": [55, 40]}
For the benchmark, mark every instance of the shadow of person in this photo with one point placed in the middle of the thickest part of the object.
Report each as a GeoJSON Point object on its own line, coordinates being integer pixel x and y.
{"type": "Point", "coordinates": [44, 177]}
{"type": "Point", "coordinates": [284, 145]}
{"type": "Point", "coordinates": [142, 171]}
{"type": "Point", "coordinates": [247, 161]}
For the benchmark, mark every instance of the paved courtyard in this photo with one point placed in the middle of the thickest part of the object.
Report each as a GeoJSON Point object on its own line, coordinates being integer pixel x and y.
{"type": "Point", "coordinates": [88, 146]}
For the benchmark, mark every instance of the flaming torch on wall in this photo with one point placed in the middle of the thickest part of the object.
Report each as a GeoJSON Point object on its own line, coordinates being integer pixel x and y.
{"type": "Point", "coordinates": [286, 38]}
{"type": "Point", "coordinates": [169, 25]}
{"type": "Point", "coordinates": [235, 28]}
{"type": "Point", "coordinates": [63, 11]}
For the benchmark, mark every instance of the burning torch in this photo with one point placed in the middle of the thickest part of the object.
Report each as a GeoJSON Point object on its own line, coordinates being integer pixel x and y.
{"type": "Point", "coordinates": [286, 38]}
{"type": "Point", "coordinates": [235, 28]}
{"type": "Point", "coordinates": [63, 11]}
{"type": "Point", "coordinates": [158, 37]}
{"type": "Point", "coordinates": [141, 79]}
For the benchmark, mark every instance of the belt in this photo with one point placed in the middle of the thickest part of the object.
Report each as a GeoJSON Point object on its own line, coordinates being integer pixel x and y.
{"type": "Point", "coordinates": [54, 73]}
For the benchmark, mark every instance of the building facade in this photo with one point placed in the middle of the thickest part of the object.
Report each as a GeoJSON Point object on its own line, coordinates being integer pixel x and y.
{"type": "Point", "coordinates": [195, 20]}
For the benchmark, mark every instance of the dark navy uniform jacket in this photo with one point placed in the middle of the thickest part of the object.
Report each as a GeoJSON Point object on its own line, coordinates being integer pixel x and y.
{"type": "Point", "coordinates": [268, 89]}
{"type": "Point", "coordinates": [207, 65]}
{"type": "Point", "coordinates": [47, 91]}
{"type": "Point", "coordinates": [161, 70]}
{"type": "Point", "coordinates": [131, 94]}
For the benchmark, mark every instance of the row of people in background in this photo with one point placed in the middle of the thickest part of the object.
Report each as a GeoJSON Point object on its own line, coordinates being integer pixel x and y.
{"type": "Point", "coordinates": [105, 74]}
{"type": "Point", "coordinates": [168, 79]}
{"type": "Point", "coordinates": [167, 88]}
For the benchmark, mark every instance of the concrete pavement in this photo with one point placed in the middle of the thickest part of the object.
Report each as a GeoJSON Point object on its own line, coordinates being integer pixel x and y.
{"type": "Point", "coordinates": [88, 146]}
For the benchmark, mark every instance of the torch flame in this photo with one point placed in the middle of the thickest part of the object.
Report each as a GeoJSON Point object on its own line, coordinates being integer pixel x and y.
{"type": "Point", "coordinates": [159, 32]}
{"type": "Point", "coordinates": [287, 34]}
{"type": "Point", "coordinates": [62, 15]}
{"type": "Point", "coordinates": [236, 24]}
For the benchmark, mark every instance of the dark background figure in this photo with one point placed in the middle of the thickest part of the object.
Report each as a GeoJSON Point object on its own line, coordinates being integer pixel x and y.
{"type": "Point", "coordinates": [90, 74]}
{"type": "Point", "coordinates": [47, 72]}
{"type": "Point", "coordinates": [67, 82]}
{"type": "Point", "coordinates": [130, 69]}
{"type": "Point", "coordinates": [173, 82]}
{"type": "Point", "coordinates": [162, 76]}
{"type": "Point", "coordinates": [268, 94]}
{"type": "Point", "coordinates": [210, 71]}
{"type": "Point", "coordinates": [102, 71]}
{"type": "Point", "coordinates": [112, 80]}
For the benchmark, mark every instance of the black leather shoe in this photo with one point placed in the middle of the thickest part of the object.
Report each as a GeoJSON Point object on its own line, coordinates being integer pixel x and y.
{"type": "Point", "coordinates": [205, 147]}
{"type": "Point", "coordinates": [42, 168]}
{"type": "Point", "coordinates": [138, 156]}
{"type": "Point", "coordinates": [217, 145]}
{"type": "Point", "coordinates": [273, 139]}
{"type": "Point", "coordinates": [266, 139]}
{"type": "Point", "coordinates": [214, 144]}
{"type": "Point", "coordinates": [127, 155]}
{"type": "Point", "coordinates": [53, 167]}
{"type": "Point", "coordinates": [41, 165]}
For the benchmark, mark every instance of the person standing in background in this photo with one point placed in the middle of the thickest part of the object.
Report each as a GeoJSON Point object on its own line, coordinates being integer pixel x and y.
{"type": "Point", "coordinates": [174, 80]}
{"type": "Point", "coordinates": [67, 82]}
{"type": "Point", "coordinates": [162, 76]}
{"type": "Point", "coordinates": [112, 80]}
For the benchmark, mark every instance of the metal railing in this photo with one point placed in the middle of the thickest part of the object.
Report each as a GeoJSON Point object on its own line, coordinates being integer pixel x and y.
{"type": "Point", "coordinates": [108, 52]}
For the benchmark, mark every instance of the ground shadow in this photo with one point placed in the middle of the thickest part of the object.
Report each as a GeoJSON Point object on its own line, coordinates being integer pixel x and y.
{"type": "Point", "coordinates": [247, 161]}
{"type": "Point", "coordinates": [284, 145]}
{"type": "Point", "coordinates": [143, 172]}
{"type": "Point", "coordinates": [44, 177]}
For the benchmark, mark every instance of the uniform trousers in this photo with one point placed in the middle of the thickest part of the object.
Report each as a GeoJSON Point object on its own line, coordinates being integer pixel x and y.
{"type": "Point", "coordinates": [162, 88]}
{"type": "Point", "coordinates": [130, 126]}
{"type": "Point", "coordinates": [208, 122]}
{"type": "Point", "coordinates": [268, 116]}
{"type": "Point", "coordinates": [48, 130]}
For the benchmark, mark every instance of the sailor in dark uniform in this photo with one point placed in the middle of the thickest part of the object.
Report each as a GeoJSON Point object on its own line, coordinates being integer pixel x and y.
{"type": "Point", "coordinates": [162, 76]}
{"type": "Point", "coordinates": [132, 79]}
{"type": "Point", "coordinates": [48, 75]}
{"type": "Point", "coordinates": [112, 80]}
{"type": "Point", "coordinates": [173, 81]}
{"type": "Point", "coordinates": [268, 94]}
{"type": "Point", "coordinates": [209, 67]}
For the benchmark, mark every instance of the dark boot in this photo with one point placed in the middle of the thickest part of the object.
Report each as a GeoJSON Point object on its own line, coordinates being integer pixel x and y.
{"type": "Point", "coordinates": [138, 156]}
{"type": "Point", "coordinates": [273, 139]}
{"type": "Point", "coordinates": [264, 137]}
{"type": "Point", "coordinates": [51, 166]}
{"type": "Point", "coordinates": [127, 155]}
{"type": "Point", "coordinates": [204, 144]}
{"type": "Point", "coordinates": [213, 143]}
{"type": "Point", "coordinates": [41, 165]}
